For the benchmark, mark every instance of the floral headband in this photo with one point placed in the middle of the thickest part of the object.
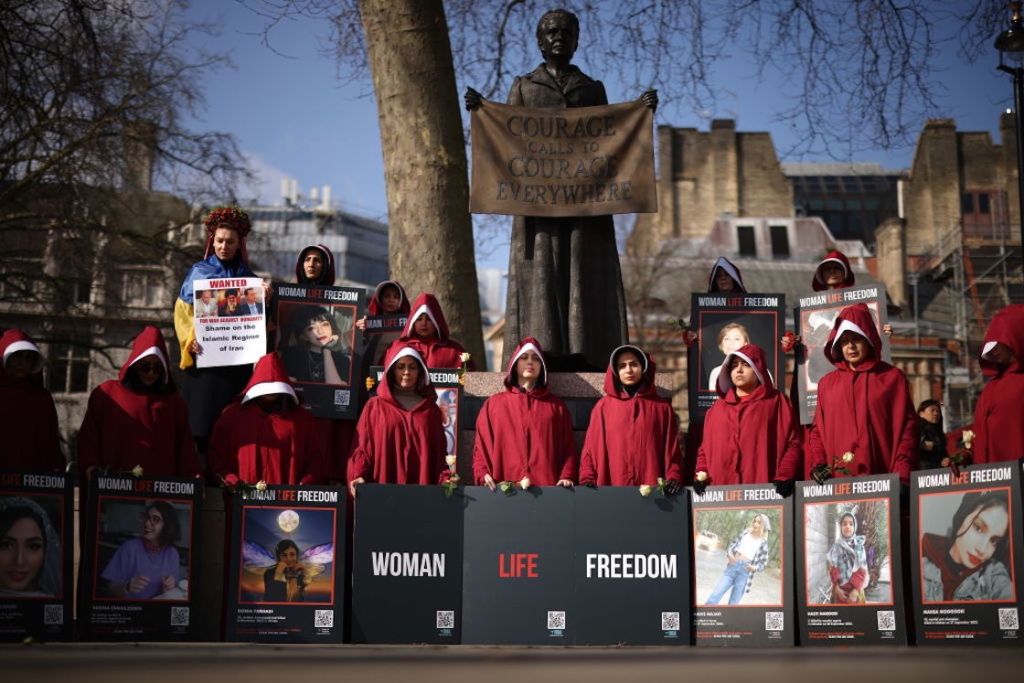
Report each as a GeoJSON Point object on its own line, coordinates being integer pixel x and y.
{"type": "Point", "coordinates": [230, 217]}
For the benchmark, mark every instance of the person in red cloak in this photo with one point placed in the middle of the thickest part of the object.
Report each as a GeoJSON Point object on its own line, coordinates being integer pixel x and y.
{"type": "Point", "coordinates": [633, 437]}
{"type": "Point", "coordinates": [999, 414]}
{"type": "Point", "coordinates": [427, 332]}
{"type": "Point", "coordinates": [265, 435]}
{"type": "Point", "coordinates": [388, 298]}
{"type": "Point", "coordinates": [28, 417]}
{"type": "Point", "coordinates": [865, 420]}
{"type": "Point", "coordinates": [139, 418]}
{"type": "Point", "coordinates": [751, 434]}
{"type": "Point", "coordinates": [525, 431]}
{"type": "Point", "coordinates": [399, 437]}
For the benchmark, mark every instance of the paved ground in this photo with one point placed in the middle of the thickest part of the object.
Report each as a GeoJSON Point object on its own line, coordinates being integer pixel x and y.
{"type": "Point", "coordinates": [130, 663]}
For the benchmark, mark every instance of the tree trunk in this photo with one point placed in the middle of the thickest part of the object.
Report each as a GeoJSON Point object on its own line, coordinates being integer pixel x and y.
{"type": "Point", "coordinates": [430, 231]}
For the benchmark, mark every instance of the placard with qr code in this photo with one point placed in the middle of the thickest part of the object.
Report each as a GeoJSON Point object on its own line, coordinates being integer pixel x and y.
{"type": "Point", "coordinates": [742, 567]}
{"type": "Point", "coordinates": [286, 565]}
{"type": "Point", "coordinates": [36, 525]}
{"type": "Point", "coordinates": [848, 561]}
{"type": "Point", "coordinates": [407, 565]}
{"type": "Point", "coordinates": [631, 559]}
{"type": "Point", "coordinates": [966, 554]}
{"type": "Point", "coordinates": [140, 564]}
{"type": "Point", "coordinates": [319, 345]}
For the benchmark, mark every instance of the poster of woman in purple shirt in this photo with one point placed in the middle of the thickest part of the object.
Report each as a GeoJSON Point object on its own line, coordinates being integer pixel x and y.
{"type": "Point", "coordinates": [148, 567]}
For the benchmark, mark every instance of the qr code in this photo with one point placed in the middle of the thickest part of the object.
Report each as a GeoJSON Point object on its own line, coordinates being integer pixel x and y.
{"type": "Point", "coordinates": [445, 618]}
{"type": "Point", "coordinates": [179, 616]}
{"type": "Point", "coordinates": [323, 618]}
{"type": "Point", "coordinates": [341, 397]}
{"type": "Point", "coordinates": [556, 620]}
{"type": "Point", "coordinates": [670, 621]}
{"type": "Point", "coordinates": [886, 620]}
{"type": "Point", "coordinates": [1008, 620]}
{"type": "Point", "coordinates": [774, 621]}
{"type": "Point", "coordinates": [53, 615]}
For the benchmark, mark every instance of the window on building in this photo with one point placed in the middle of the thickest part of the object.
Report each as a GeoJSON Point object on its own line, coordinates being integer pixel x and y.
{"type": "Point", "coordinates": [966, 203]}
{"type": "Point", "coordinates": [780, 241]}
{"type": "Point", "coordinates": [745, 236]}
{"type": "Point", "coordinates": [142, 288]}
{"type": "Point", "coordinates": [69, 368]}
{"type": "Point", "coordinates": [983, 203]}
{"type": "Point", "coordinates": [79, 290]}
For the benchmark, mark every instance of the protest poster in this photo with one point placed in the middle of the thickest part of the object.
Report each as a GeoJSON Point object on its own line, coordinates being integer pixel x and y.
{"type": "Point", "coordinates": [230, 321]}
{"type": "Point", "coordinates": [585, 161]}
{"type": "Point", "coordinates": [383, 324]}
{"type": "Point", "coordinates": [316, 337]}
{"type": "Point", "coordinates": [286, 569]}
{"type": "Point", "coordinates": [814, 316]}
{"type": "Point", "coordinates": [849, 572]}
{"type": "Point", "coordinates": [36, 526]}
{"type": "Point", "coordinates": [447, 384]}
{"type": "Point", "coordinates": [139, 556]}
{"type": "Point", "coordinates": [724, 323]}
{"type": "Point", "coordinates": [966, 554]}
{"type": "Point", "coordinates": [743, 567]}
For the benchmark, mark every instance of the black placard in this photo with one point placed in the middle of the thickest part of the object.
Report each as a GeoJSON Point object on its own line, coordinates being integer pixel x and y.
{"type": "Point", "coordinates": [286, 572]}
{"type": "Point", "coordinates": [723, 323]}
{"type": "Point", "coordinates": [849, 578]}
{"type": "Point", "coordinates": [407, 565]}
{"type": "Point", "coordinates": [36, 526]}
{"type": "Point", "coordinates": [966, 554]}
{"type": "Point", "coordinates": [140, 560]}
{"type": "Point", "coordinates": [743, 567]}
{"type": "Point", "coordinates": [813, 317]}
{"type": "Point", "coordinates": [631, 563]}
{"type": "Point", "coordinates": [517, 567]}
{"type": "Point", "coordinates": [307, 317]}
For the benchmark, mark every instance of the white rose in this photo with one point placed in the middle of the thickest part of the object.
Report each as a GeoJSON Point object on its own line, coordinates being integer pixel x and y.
{"type": "Point", "coordinates": [137, 470]}
{"type": "Point", "coordinates": [524, 483]}
{"type": "Point", "coordinates": [450, 459]}
{"type": "Point", "coordinates": [261, 485]}
{"type": "Point", "coordinates": [464, 357]}
{"type": "Point", "coordinates": [702, 476]}
{"type": "Point", "coordinates": [505, 486]}
{"type": "Point", "coordinates": [968, 438]}
{"type": "Point", "coordinates": [848, 456]}
{"type": "Point", "coordinates": [645, 490]}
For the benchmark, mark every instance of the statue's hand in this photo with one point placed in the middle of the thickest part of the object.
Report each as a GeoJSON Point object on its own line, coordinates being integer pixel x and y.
{"type": "Point", "coordinates": [650, 99]}
{"type": "Point", "coordinates": [474, 99]}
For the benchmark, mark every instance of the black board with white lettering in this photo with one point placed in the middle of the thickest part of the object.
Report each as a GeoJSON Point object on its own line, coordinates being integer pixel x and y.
{"type": "Point", "coordinates": [286, 569]}
{"type": "Point", "coordinates": [630, 567]}
{"type": "Point", "coordinates": [407, 565]}
{"type": "Point", "coordinates": [517, 567]}
{"type": "Point", "coordinates": [848, 569]}
{"type": "Point", "coordinates": [36, 524]}
{"type": "Point", "coordinates": [743, 567]}
{"type": "Point", "coordinates": [140, 559]}
{"type": "Point", "coordinates": [966, 554]}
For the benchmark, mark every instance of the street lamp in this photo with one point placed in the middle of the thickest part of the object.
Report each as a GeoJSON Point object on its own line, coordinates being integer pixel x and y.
{"type": "Point", "coordinates": [1010, 44]}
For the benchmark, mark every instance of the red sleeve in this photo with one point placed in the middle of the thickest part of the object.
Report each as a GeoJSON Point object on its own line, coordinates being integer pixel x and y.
{"type": "Point", "coordinates": [312, 463]}
{"type": "Point", "coordinates": [815, 444]}
{"type": "Point", "coordinates": [980, 447]}
{"type": "Point", "coordinates": [50, 439]}
{"type": "Point", "coordinates": [673, 451]}
{"type": "Point", "coordinates": [89, 446]}
{"type": "Point", "coordinates": [570, 466]}
{"type": "Point", "coordinates": [790, 465]}
{"type": "Point", "coordinates": [360, 463]}
{"type": "Point", "coordinates": [483, 445]}
{"type": "Point", "coordinates": [594, 447]}
{"type": "Point", "coordinates": [905, 458]}
{"type": "Point", "coordinates": [222, 456]}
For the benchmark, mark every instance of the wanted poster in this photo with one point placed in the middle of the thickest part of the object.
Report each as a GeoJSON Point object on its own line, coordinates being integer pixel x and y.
{"type": "Point", "coordinates": [230, 321]}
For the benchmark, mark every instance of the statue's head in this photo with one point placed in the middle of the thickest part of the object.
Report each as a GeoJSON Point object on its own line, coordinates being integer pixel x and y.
{"type": "Point", "coordinates": [558, 33]}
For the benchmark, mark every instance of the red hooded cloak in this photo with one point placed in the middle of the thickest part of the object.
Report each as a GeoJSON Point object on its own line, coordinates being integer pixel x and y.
{"type": "Point", "coordinates": [839, 258]}
{"type": "Point", "coordinates": [525, 433]}
{"type": "Point", "coordinates": [999, 414]}
{"type": "Point", "coordinates": [865, 410]}
{"type": "Point", "coordinates": [251, 444]}
{"type": "Point", "coordinates": [127, 425]}
{"type": "Point", "coordinates": [751, 440]}
{"type": "Point", "coordinates": [441, 351]}
{"type": "Point", "coordinates": [631, 440]}
{"type": "Point", "coordinates": [28, 417]}
{"type": "Point", "coordinates": [394, 445]}
{"type": "Point", "coordinates": [730, 269]}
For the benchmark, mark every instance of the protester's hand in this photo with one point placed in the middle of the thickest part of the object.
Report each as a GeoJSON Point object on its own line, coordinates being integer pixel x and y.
{"type": "Point", "coordinates": [564, 483]}
{"type": "Point", "coordinates": [927, 445]}
{"type": "Point", "coordinates": [473, 99]}
{"type": "Point", "coordinates": [268, 289]}
{"type": "Point", "coordinates": [789, 342]}
{"type": "Point", "coordinates": [821, 473]}
{"type": "Point", "coordinates": [590, 484]}
{"type": "Point", "coordinates": [785, 487]}
{"type": "Point", "coordinates": [168, 583]}
{"type": "Point", "coordinates": [361, 324]}
{"type": "Point", "coordinates": [689, 336]}
{"type": "Point", "coordinates": [700, 486]}
{"type": "Point", "coordinates": [195, 348]}
{"type": "Point", "coordinates": [137, 584]}
{"type": "Point", "coordinates": [673, 487]}
{"type": "Point", "coordinates": [352, 485]}
{"type": "Point", "coordinates": [650, 99]}
{"type": "Point", "coordinates": [887, 330]}
{"type": "Point", "coordinates": [489, 482]}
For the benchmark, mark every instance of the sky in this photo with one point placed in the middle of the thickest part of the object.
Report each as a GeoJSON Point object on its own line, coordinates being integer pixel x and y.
{"type": "Point", "coordinates": [294, 116]}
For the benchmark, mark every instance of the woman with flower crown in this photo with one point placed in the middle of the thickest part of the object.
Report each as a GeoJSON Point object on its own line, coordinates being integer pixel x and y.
{"type": "Point", "coordinates": [208, 390]}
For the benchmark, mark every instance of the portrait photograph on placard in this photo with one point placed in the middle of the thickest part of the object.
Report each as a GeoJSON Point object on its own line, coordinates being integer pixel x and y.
{"type": "Point", "coordinates": [143, 549]}
{"type": "Point", "coordinates": [965, 546]}
{"type": "Point", "coordinates": [31, 547]}
{"type": "Point", "coordinates": [738, 556]}
{"type": "Point", "coordinates": [848, 553]}
{"type": "Point", "coordinates": [287, 555]}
